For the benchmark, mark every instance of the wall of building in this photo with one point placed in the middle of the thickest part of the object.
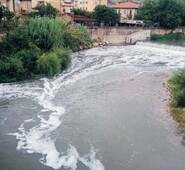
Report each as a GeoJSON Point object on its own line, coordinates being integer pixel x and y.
{"type": "Point", "coordinates": [126, 14]}
{"type": "Point", "coordinates": [19, 6]}
{"type": "Point", "coordinates": [89, 5]}
{"type": "Point", "coordinates": [64, 6]}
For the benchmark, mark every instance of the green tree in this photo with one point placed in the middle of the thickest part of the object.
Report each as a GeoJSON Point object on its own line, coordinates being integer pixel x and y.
{"type": "Point", "coordinates": [165, 13]}
{"type": "Point", "coordinates": [44, 11]}
{"type": "Point", "coordinates": [106, 15]}
{"type": "Point", "coordinates": [84, 13]}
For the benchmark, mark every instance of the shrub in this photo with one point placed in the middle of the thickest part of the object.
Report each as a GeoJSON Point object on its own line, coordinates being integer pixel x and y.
{"type": "Point", "coordinates": [11, 70]}
{"type": "Point", "coordinates": [178, 88]}
{"type": "Point", "coordinates": [85, 35]}
{"type": "Point", "coordinates": [65, 57]}
{"type": "Point", "coordinates": [75, 36]}
{"type": "Point", "coordinates": [15, 41]}
{"type": "Point", "coordinates": [49, 64]}
{"type": "Point", "coordinates": [29, 59]}
{"type": "Point", "coordinates": [46, 33]}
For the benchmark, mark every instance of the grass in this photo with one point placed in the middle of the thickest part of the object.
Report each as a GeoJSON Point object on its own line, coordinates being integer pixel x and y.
{"type": "Point", "coordinates": [178, 115]}
{"type": "Point", "coordinates": [177, 88]}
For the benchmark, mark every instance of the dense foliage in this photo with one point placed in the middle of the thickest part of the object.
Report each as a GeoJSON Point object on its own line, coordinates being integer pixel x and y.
{"type": "Point", "coordinates": [6, 16]}
{"type": "Point", "coordinates": [45, 33]}
{"type": "Point", "coordinates": [106, 15]}
{"type": "Point", "coordinates": [44, 11]}
{"type": "Point", "coordinates": [171, 38]}
{"type": "Point", "coordinates": [83, 12]}
{"type": "Point", "coordinates": [40, 46]}
{"type": "Point", "coordinates": [163, 13]}
{"type": "Point", "coordinates": [178, 88]}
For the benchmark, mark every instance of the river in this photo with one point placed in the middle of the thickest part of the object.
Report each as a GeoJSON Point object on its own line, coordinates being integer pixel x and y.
{"type": "Point", "coordinates": [108, 111]}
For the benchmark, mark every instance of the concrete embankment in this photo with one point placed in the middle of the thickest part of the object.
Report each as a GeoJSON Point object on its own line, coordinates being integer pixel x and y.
{"type": "Point", "coordinates": [127, 35]}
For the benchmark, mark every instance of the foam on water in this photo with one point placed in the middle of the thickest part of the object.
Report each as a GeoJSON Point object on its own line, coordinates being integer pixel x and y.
{"type": "Point", "coordinates": [38, 139]}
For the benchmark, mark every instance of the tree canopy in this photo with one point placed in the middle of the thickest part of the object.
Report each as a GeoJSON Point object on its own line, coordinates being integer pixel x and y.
{"type": "Point", "coordinates": [44, 11]}
{"type": "Point", "coordinates": [164, 13]}
{"type": "Point", "coordinates": [83, 12]}
{"type": "Point", "coordinates": [106, 15]}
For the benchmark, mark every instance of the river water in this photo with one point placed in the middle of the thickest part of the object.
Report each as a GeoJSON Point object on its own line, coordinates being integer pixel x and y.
{"type": "Point", "coordinates": [108, 111]}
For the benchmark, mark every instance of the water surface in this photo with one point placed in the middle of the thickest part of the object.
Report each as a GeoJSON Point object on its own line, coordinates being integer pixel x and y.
{"type": "Point", "coordinates": [109, 111]}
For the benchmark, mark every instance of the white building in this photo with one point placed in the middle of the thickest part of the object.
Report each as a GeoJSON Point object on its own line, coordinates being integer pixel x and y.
{"type": "Point", "coordinates": [127, 10]}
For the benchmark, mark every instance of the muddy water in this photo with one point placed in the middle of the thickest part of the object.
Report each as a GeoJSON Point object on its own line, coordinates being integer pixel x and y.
{"type": "Point", "coordinates": [108, 111]}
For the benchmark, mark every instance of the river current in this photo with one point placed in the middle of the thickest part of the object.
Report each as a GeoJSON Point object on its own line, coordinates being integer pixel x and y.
{"type": "Point", "coordinates": [108, 111]}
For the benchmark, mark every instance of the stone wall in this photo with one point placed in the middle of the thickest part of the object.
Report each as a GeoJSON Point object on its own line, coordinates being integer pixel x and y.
{"type": "Point", "coordinates": [127, 35]}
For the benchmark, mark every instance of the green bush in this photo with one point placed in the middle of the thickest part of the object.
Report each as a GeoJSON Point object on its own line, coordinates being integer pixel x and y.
{"type": "Point", "coordinates": [40, 46]}
{"type": "Point", "coordinates": [178, 88]}
{"type": "Point", "coordinates": [65, 57]}
{"type": "Point", "coordinates": [49, 64]}
{"type": "Point", "coordinates": [46, 33]}
{"type": "Point", "coordinates": [11, 70]}
{"type": "Point", "coordinates": [76, 36]}
{"type": "Point", "coordinates": [15, 41]}
{"type": "Point", "coordinates": [29, 59]}
{"type": "Point", "coordinates": [85, 35]}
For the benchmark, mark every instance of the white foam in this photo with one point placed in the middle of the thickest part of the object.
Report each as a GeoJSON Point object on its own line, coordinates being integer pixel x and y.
{"type": "Point", "coordinates": [90, 161]}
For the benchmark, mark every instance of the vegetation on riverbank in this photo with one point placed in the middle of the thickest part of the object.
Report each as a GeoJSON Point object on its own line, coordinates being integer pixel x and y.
{"type": "Point", "coordinates": [177, 87]}
{"type": "Point", "coordinates": [40, 46]}
{"type": "Point", "coordinates": [171, 38]}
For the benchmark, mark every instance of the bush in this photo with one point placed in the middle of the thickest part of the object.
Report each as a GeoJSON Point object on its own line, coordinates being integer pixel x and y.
{"type": "Point", "coordinates": [178, 88]}
{"type": "Point", "coordinates": [11, 70]}
{"type": "Point", "coordinates": [40, 46]}
{"type": "Point", "coordinates": [15, 41]}
{"type": "Point", "coordinates": [65, 57]}
{"type": "Point", "coordinates": [46, 33]}
{"type": "Point", "coordinates": [49, 64]}
{"type": "Point", "coordinates": [75, 36]}
{"type": "Point", "coordinates": [29, 59]}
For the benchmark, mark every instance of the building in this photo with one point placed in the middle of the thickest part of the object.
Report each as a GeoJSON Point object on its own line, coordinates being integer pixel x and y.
{"type": "Point", "coordinates": [18, 6]}
{"type": "Point", "coordinates": [89, 5]}
{"type": "Point", "coordinates": [63, 6]}
{"type": "Point", "coordinates": [127, 10]}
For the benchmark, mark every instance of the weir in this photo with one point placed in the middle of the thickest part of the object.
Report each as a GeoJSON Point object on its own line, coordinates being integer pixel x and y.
{"type": "Point", "coordinates": [128, 35]}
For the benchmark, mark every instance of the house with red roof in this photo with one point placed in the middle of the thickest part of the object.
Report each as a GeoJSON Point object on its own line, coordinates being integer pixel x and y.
{"type": "Point", "coordinates": [127, 10]}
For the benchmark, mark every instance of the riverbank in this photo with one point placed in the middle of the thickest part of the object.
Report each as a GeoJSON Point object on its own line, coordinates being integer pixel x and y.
{"type": "Point", "coordinates": [177, 89]}
{"type": "Point", "coordinates": [40, 47]}
{"type": "Point", "coordinates": [171, 38]}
